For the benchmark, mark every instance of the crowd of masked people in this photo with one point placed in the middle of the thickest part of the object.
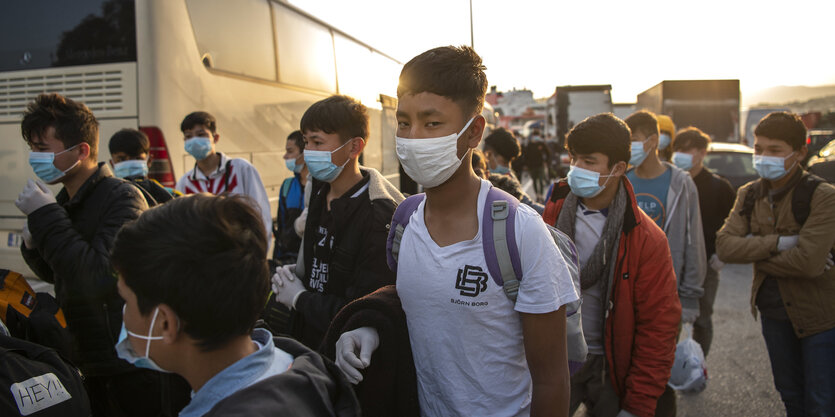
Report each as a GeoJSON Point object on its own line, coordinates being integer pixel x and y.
{"type": "Point", "coordinates": [458, 301]}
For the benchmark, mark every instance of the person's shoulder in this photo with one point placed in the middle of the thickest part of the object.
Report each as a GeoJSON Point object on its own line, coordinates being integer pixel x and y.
{"type": "Point", "coordinates": [242, 164]}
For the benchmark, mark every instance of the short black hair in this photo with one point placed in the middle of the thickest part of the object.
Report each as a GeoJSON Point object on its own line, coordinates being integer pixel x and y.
{"type": "Point", "coordinates": [130, 141]}
{"type": "Point", "coordinates": [602, 133]}
{"type": "Point", "coordinates": [199, 118]}
{"type": "Point", "coordinates": [297, 138]}
{"type": "Point", "coordinates": [785, 126]}
{"type": "Point", "coordinates": [644, 122]}
{"type": "Point", "coordinates": [338, 114]}
{"type": "Point", "coordinates": [74, 123]}
{"type": "Point", "coordinates": [204, 256]}
{"type": "Point", "coordinates": [503, 142]}
{"type": "Point", "coordinates": [456, 73]}
{"type": "Point", "coordinates": [690, 138]}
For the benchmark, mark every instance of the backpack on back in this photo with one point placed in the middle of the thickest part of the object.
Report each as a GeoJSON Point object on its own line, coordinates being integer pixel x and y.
{"type": "Point", "coordinates": [32, 316]}
{"type": "Point", "coordinates": [801, 199]}
{"type": "Point", "coordinates": [38, 381]}
{"type": "Point", "coordinates": [502, 256]}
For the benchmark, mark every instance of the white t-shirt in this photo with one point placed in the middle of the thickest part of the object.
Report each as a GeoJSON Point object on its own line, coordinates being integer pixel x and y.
{"type": "Point", "coordinates": [588, 228]}
{"type": "Point", "coordinates": [466, 337]}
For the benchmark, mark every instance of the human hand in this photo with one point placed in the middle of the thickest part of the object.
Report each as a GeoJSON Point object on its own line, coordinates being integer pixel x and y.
{"type": "Point", "coordinates": [830, 262]}
{"type": "Point", "coordinates": [286, 287]}
{"type": "Point", "coordinates": [786, 242]}
{"type": "Point", "coordinates": [689, 315]}
{"type": "Point", "coordinates": [34, 196]}
{"type": "Point", "coordinates": [27, 236]}
{"type": "Point", "coordinates": [624, 413]}
{"type": "Point", "coordinates": [715, 263]}
{"type": "Point", "coordinates": [353, 352]}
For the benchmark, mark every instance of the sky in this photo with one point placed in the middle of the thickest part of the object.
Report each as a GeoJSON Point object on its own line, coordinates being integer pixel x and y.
{"type": "Point", "coordinates": [634, 45]}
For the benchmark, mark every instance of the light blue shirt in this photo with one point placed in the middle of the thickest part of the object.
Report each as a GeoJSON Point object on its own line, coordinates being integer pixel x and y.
{"type": "Point", "coordinates": [267, 361]}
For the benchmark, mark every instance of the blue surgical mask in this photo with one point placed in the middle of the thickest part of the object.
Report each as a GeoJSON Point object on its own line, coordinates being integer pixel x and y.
{"type": "Point", "coordinates": [500, 169]}
{"type": "Point", "coordinates": [290, 164]}
{"type": "Point", "coordinates": [199, 147]}
{"type": "Point", "coordinates": [585, 183]}
{"type": "Point", "coordinates": [125, 351]}
{"type": "Point", "coordinates": [638, 153]}
{"type": "Point", "coordinates": [772, 167]}
{"type": "Point", "coordinates": [321, 166]}
{"type": "Point", "coordinates": [664, 141]}
{"type": "Point", "coordinates": [683, 160]}
{"type": "Point", "coordinates": [131, 168]}
{"type": "Point", "coordinates": [43, 165]}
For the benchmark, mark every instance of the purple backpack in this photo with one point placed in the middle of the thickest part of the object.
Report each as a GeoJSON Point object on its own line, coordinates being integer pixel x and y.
{"type": "Point", "coordinates": [502, 256]}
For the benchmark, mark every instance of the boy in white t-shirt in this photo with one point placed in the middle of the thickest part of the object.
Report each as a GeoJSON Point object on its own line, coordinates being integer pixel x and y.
{"type": "Point", "coordinates": [475, 352]}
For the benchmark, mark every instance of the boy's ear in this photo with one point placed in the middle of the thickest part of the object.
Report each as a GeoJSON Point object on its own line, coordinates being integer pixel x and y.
{"type": "Point", "coordinates": [357, 146]}
{"type": "Point", "coordinates": [169, 322]}
{"type": "Point", "coordinates": [475, 131]}
{"type": "Point", "coordinates": [216, 136]}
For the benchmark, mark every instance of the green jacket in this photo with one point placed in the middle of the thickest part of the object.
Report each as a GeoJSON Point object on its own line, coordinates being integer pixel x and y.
{"type": "Point", "coordinates": [807, 288]}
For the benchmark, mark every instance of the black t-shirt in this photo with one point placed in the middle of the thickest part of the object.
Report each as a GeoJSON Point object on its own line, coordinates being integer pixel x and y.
{"type": "Point", "coordinates": [716, 200]}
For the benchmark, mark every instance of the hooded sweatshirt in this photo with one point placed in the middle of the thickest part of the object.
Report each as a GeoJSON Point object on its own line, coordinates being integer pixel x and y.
{"type": "Point", "coordinates": [683, 227]}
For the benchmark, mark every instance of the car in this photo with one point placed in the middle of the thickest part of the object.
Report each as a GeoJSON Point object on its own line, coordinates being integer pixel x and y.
{"type": "Point", "coordinates": [823, 164]}
{"type": "Point", "coordinates": [732, 161]}
{"type": "Point", "coordinates": [816, 140]}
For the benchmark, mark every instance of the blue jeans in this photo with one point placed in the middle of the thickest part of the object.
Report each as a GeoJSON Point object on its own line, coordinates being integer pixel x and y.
{"type": "Point", "coordinates": [803, 369]}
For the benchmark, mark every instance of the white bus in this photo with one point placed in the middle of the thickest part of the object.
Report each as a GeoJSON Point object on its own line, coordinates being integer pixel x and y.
{"type": "Point", "coordinates": [256, 65]}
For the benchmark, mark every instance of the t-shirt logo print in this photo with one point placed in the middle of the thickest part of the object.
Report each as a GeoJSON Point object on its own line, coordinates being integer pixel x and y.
{"type": "Point", "coordinates": [472, 280]}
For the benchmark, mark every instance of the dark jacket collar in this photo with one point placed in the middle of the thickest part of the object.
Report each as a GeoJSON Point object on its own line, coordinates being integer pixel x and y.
{"type": "Point", "coordinates": [103, 171]}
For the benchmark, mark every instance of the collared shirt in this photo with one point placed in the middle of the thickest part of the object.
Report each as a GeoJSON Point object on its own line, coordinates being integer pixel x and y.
{"type": "Point", "coordinates": [267, 361]}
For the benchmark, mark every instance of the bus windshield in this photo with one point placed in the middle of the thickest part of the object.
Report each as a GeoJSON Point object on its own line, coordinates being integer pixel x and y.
{"type": "Point", "coordinates": [57, 33]}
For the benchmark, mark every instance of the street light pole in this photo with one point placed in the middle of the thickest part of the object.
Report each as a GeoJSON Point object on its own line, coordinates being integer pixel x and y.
{"type": "Point", "coordinates": [472, 41]}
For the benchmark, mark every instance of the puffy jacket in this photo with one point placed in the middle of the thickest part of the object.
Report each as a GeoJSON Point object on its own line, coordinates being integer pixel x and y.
{"type": "Point", "coordinates": [74, 238]}
{"type": "Point", "coordinates": [358, 255]}
{"type": "Point", "coordinates": [290, 206]}
{"type": "Point", "coordinates": [806, 287]}
{"type": "Point", "coordinates": [643, 310]}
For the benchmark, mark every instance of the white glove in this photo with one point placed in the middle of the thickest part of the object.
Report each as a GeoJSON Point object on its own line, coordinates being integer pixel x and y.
{"type": "Point", "coordinates": [286, 287]}
{"type": "Point", "coordinates": [27, 237]}
{"type": "Point", "coordinates": [689, 315]}
{"type": "Point", "coordinates": [624, 413]}
{"type": "Point", "coordinates": [786, 242]}
{"type": "Point", "coordinates": [34, 196]}
{"type": "Point", "coordinates": [830, 262]}
{"type": "Point", "coordinates": [715, 263]}
{"type": "Point", "coordinates": [353, 352]}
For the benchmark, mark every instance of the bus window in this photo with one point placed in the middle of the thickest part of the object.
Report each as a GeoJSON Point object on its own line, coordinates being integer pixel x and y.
{"type": "Point", "coordinates": [59, 33]}
{"type": "Point", "coordinates": [305, 51]}
{"type": "Point", "coordinates": [234, 36]}
{"type": "Point", "coordinates": [353, 65]}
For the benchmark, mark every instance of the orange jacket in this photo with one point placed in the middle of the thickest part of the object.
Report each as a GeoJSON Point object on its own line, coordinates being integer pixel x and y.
{"type": "Point", "coordinates": [643, 311]}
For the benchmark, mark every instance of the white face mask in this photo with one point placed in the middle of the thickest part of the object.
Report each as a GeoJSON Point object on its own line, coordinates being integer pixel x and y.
{"type": "Point", "coordinates": [432, 161]}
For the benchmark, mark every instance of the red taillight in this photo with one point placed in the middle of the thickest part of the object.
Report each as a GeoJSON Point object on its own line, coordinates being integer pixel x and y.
{"type": "Point", "coordinates": [809, 140]}
{"type": "Point", "coordinates": [161, 168]}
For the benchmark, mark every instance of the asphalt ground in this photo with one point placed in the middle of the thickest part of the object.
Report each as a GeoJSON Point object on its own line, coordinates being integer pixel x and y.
{"type": "Point", "coordinates": [739, 372]}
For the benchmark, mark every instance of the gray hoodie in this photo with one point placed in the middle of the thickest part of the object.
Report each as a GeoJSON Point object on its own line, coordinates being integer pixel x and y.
{"type": "Point", "coordinates": [683, 228]}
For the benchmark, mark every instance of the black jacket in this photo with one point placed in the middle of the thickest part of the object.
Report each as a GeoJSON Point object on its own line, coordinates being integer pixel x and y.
{"type": "Point", "coordinates": [389, 384]}
{"type": "Point", "coordinates": [74, 239]}
{"type": "Point", "coordinates": [313, 386]}
{"type": "Point", "coordinates": [358, 255]}
{"type": "Point", "coordinates": [716, 199]}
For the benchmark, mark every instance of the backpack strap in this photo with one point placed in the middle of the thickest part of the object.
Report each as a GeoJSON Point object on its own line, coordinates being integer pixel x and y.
{"type": "Point", "coordinates": [499, 240]}
{"type": "Point", "coordinates": [748, 203]}
{"type": "Point", "coordinates": [399, 221]}
{"type": "Point", "coordinates": [802, 197]}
